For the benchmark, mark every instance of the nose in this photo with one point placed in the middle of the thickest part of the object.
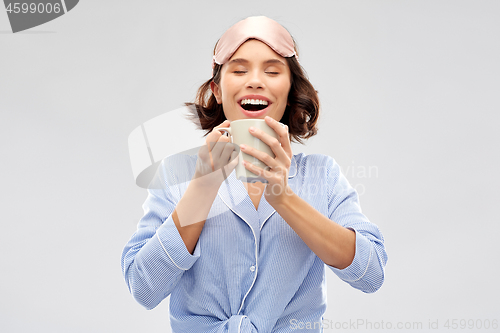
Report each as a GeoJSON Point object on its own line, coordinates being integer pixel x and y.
{"type": "Point", "coordinates": [255, 80]}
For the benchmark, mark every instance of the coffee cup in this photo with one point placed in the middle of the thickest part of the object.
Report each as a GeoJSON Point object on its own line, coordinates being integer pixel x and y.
{"type": "Point", "coordinates": [239, 133]}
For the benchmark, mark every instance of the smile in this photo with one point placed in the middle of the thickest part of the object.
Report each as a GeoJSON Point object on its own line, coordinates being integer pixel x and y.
{"type": "Point", "coordinates": [254, 104]}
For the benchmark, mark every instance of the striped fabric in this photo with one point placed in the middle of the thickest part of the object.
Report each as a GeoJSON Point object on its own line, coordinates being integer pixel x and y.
{"type": "Point", "coordinates": [250, 272]}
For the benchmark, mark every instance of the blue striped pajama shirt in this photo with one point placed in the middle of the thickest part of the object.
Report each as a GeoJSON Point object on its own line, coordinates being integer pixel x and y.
{"type": "Point", "coordinates": [250, 271]}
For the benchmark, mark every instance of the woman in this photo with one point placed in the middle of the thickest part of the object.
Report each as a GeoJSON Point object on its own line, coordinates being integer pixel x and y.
{"type": "Point", "coordinates": [241, 257]}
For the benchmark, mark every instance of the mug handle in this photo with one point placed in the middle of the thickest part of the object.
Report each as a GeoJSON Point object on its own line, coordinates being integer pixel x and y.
{"type": "Point", "coordinates": [226, 130]}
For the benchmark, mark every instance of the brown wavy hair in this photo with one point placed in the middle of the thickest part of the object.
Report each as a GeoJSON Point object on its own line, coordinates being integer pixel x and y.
{"type": "Point", "coordinates": [301, 114]}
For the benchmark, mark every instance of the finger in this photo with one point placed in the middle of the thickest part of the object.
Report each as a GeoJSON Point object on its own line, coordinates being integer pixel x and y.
{"type": "Point", "coordinates": [283, 134]}
{"type": "Point", "coordinates": [212, 139]}
{"type": "Point", "coordinates": [257, 170]}
{"type": "Point", "coordinates": [285, 141]}
{"type": "Point", "coordinates": [226, 154]}
{"type": "Point", "coordinates": [262, 156]}
{"type": "Point", "coordinates": [215, 150]}
{"type": "Point", "coordinates": [219, 146]}
{"type": "Point", "coordinates": [225, 123]}
{"type": "Point", "coordinates": [227, 169]}
{"type": "Point", "coordinates": [273, 143]}
{"type": "Point", "coordinates": [233, 161]}
{"type": "Point", "coordinates": [234, 158]}
{"type": "Point", "coordinates": [214, 135]}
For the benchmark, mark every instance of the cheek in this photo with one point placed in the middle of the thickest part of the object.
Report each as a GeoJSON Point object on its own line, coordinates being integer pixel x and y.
{"type": "Point", "coordinates": [285, 89]}
{"type": "Point", "coordinates": [228, 88]}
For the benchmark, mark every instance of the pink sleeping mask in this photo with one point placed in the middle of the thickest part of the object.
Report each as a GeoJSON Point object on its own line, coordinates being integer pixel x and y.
{"type": "Point", "coordinates": [258, 27]}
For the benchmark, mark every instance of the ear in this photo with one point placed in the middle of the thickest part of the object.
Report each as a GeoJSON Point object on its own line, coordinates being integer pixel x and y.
{"type": "Point", "coordinates": [216, 91]}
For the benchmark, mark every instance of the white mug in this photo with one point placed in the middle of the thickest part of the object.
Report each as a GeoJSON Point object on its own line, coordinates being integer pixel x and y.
{"type": "Point", "coordinates": [239, 133]}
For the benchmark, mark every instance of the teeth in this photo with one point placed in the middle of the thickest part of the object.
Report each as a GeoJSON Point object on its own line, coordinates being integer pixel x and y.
{"type": "Point", "coordinates": [254, 102]}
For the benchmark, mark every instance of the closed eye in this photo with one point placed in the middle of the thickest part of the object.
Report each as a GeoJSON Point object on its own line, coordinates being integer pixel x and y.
{"type": "Point", "coordinates": [239, 72]}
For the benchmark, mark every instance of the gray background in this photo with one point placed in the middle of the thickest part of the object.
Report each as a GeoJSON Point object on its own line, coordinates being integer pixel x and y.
{"type": "Point", "coordinates": [408, 88]}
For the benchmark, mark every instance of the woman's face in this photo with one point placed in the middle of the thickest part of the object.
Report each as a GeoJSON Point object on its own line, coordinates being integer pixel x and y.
{"type": "Point", "coordinates": [254, 83]}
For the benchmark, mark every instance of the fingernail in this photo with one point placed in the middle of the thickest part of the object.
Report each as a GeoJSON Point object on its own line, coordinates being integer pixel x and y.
{"type": "Point", "coordinates": [252, 129]}
{"type": "Point", "coordinates": [242, 147]}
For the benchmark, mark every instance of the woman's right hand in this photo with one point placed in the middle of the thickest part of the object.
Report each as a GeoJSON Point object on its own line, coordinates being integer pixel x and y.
{"type": "Point", "coordinates": [217, 158]}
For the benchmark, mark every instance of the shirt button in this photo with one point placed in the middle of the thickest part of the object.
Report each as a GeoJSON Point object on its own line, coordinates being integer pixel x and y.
{"type": "Point", "coordinates": [252, 268]}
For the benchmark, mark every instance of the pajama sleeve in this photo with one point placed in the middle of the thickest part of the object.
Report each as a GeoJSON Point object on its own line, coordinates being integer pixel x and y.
{"type": "Point", "coordinates": [366, 272]}
{"type": "Point", "coordinates": [155, 257]}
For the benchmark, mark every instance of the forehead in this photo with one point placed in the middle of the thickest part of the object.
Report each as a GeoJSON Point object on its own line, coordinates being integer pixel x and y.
{"type": "Point", "coordinates": [255, 50]}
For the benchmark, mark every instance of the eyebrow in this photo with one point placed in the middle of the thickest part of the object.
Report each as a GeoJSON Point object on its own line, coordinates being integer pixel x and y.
{"type": "Point", "coordinates": [245, 61]}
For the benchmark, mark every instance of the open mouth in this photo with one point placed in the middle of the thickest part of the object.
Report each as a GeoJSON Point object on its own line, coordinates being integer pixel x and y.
{"type": "Point", "coordinates": [253, 104]}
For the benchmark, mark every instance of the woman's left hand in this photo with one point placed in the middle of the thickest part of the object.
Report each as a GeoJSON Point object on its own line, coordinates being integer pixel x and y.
{"type": "Point", "coordinates": [277, 188]}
